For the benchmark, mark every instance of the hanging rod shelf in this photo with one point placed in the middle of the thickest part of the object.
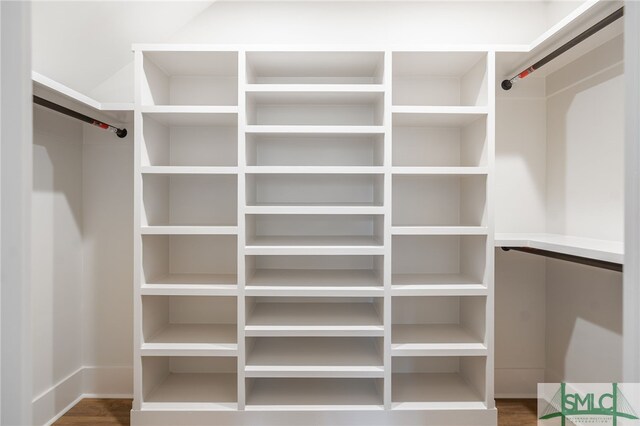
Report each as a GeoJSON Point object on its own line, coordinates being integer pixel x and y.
{"type": "Point", "coordinates": [121, 133]}
{"type": "Point", "coordinates": [508, 83]}
{"type": "Point", "coordinates": [569, 258]}
{"type": "Point", "coordinates": [587, 251]}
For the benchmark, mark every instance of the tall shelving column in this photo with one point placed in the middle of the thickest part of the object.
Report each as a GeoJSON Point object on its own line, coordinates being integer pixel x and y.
{"type": "Point", "coordinates": [186, 230]}
{"type": "Point", "coordinates": [442, 225]}
{"type": "Point", "coordinates": [314, 216]}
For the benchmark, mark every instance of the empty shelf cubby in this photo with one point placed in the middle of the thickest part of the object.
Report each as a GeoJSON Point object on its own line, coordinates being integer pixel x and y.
{"type": "Point", "coordinates": [439, 200]}
{"type": "Point", "coordinates": [310, 316]}
{"type": "Point", "coordinates": [189, 139]}
{"type": "Point", "coordinates": [190, 78]}
{"type": "Point", "coordinates": [438, 382]}
{"type": "Point", "coordinates": [429, 143]}
{"type": "Point", "coordinates": [315, 393]}
{"type": "Point", "coordinates": [315, 67]}
{"type": "Point", "coordinates": [196, 323]}
{"type": "Point", "coordinates": [315, 230]}
{"type": "Point", "coordinates": [315, 189]}
{"type": "Point", "coordinates": [178, 261]}
{"type": "Point", "coordinates": [450, 261]}
{"type": "Point", "coordinates": [327, 357]}
{"type": "Point", "coordinates": [314, 271]}
{"type": "Point", "coordinates": [436, 325]}
{"type": "Point", "coordinates": [182, 382]}
{"type": "Point", "coordinates": [315, 108]}
{"type": "Point", "coordinates": [440, 78]}
{"type": "Point", "coordinates": [189, 200]}
{"type": "Point", "coordinates": [314, 150]}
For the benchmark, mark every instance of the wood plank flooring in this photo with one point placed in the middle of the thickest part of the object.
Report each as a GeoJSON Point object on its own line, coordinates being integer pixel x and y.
{"type": "Point", "coordinates": [108, 412]}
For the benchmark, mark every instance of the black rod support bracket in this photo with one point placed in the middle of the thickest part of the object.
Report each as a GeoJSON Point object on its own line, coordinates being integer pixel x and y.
{"type": "Point", "coordinates": [597, 263]}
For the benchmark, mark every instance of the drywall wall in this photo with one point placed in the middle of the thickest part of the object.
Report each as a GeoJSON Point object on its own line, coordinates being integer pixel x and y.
{"type": "Point", "coordinates": [585, 151]}
{"type": "Point", "coordinates": [107, 189]}
{"type": "Point", "coordinates": [585, 130]}
{"type": "Point", "coordinates": [520, 279]}
{"type": "Point", "coordinates": [520, 298]}
{"type": "Point", "coordinates": [56, 263]}
{"type": "Point", "coordinates": [102, 63]}
{"type": "Point", "coordinates": [584, 324]}
{"type": "Point", "coordinates": [16, 129]}
{"type": "Point", "coordinates": [367, 22]}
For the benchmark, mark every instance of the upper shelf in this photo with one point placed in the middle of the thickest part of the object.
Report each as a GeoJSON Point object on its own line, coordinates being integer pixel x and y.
{"type": "Point", "coordinates": [315, 67]}
{"type": "Point", "coordinates": [608, 251]}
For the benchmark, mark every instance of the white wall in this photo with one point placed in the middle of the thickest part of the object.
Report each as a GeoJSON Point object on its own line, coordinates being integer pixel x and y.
{"type": "Point", "coordinates": [585, 191]}
{"type": "Point", "coordinates": [56, 266]}
{"type": "Point", "coordinates": [81, 261]}
{"type": "Point", "coordinates": [367, 22]}
{"type": "Point", "coordinates": [107, 190]}
{"type": "Point", "coordinates": [584, 324]}
{"type": "Point", "coordinates": [16, 129]}
{"type": "Point", "coordinates": [559, 169]}
{"type": "Point", "coordinates": [585, 128]}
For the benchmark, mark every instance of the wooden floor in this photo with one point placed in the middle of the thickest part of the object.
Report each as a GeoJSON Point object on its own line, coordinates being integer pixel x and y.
{"type": "Point", "coordinates": [102, 412]}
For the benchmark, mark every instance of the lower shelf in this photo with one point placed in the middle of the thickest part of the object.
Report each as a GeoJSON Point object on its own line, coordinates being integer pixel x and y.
{"type": "Point", "coordinates": [416, 391]}
{"type": "Point", "coordinates": [204, 338]}
{"type": "Point", "coordinates": [434, 339]}
{"type": "Point", "coordinates": [314, 394]}
{"type": "Point", "coordinates": [206, 391]}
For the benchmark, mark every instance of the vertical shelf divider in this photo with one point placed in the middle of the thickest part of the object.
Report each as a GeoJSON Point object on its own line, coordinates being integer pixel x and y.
{"type": "Point", "coordinates": [242, 201]}
{"type": "Point", "coordinates": [388, 150]}
{"type": "Point", "coordinates": [489, 313]}
{"type": "Point", "coordinates": [137, 235]}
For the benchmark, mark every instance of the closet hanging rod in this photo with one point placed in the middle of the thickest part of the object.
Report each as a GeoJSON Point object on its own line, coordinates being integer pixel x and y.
{"type": "Point", "coordinates": [121, 133]}
{"type": "Point", "coordinates": [507, 84]}
{"type": "Point", "coordinates": [612, 266]}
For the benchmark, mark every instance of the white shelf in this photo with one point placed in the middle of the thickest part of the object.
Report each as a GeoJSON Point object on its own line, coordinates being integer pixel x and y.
{"type": "Point", "coordinates": [312, 88]}
{"type": "Point", "coordinates": [609, 251]}
{"type": "Point", "coordinates": [343, 170]}
{"type": "Point", "coordinates": [316, 283]}
{"type": "Point", "coordinates": [437, 116]}
{"type": "Point", "coordinates": [193, 339]}
{"type": "Point", "coordinates": [337, 130]}
{"type": "Point", "coordinates": [436, 285]}
{"type": "Point", "coordinates": [188, 290]}
{"type": "Point", "coordinates": [199, 391]}
{"type": "Point", "coordinates": [314, 97]}
{"type": "Point", "coordinates": [192, 115]}
{"type": "Point", "coordinates": [192, 285]}
{"type": "Point", "coordinates": [189, 230]}
{"type": "Point", "coordinates": [314, 245]}
{"type": "Point", "coordinates": [314, 395]}
{"type": "Point", "coordinates": [314, 357]}
{"type": "Point", "coordinates": [439, 230]}
{"type": "Point", "coordinates": [314, 319]}
{"type": "Point", "coordinates": [440, 170]}
{"type": "Point", "coordinates": [188, 170]}
{"type": "Point", "coordinates": [314, 209]}
{"type": "Point", "coordinates": [317, 277]}
{"type": "Point", "coordinates": [433, 391]}
{"type": "Point", "coordinates": [434, 340]}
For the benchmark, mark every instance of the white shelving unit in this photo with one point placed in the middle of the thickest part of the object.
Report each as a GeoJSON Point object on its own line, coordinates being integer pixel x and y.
{"type": "Point", "coordinates": [314, 233]}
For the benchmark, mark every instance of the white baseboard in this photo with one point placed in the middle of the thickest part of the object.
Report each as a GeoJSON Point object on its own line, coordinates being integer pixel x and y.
{"type": "Point", "coordinates": [85, 382]}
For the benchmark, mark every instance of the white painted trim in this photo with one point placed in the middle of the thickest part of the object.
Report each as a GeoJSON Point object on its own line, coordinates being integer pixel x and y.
{"type": "Point", "coordinates": [45, 406]}
{"type": "Point", "coordinates": [631, 286]}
